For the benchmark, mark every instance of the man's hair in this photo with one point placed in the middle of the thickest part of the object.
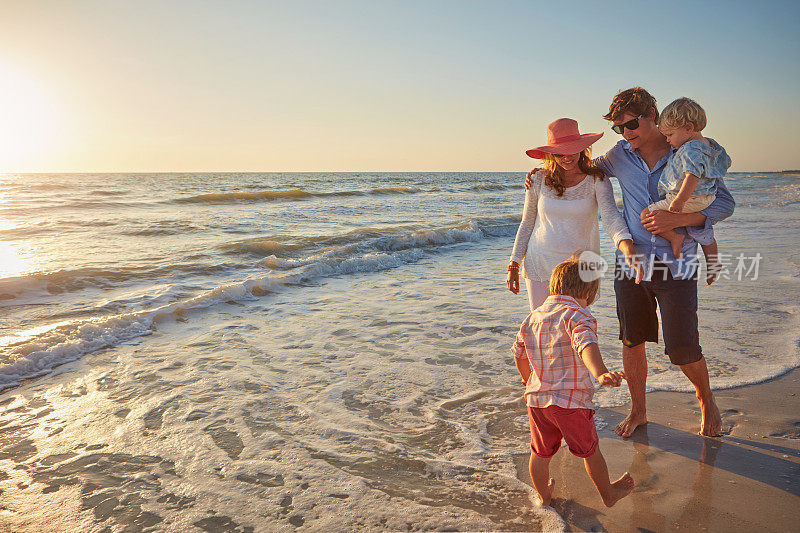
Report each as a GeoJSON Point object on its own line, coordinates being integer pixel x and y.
{"type": "Point", "coordinates": [636, 101]}
{"type": "Point", "coordinates": [681, 112]}
{"type": "Point", "coordinates": [566, 279]}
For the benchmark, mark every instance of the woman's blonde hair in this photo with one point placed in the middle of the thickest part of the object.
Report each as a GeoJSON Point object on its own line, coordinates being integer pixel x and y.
{"type": "Point", "coordinates": [555, 174]}
{"type": "Point", "coordinates": [566, 279]}
{"type": "Point", "coordinates": [681, 112]}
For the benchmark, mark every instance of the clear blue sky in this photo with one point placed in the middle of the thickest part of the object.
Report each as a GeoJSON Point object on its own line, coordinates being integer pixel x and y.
{"type": "Point", "coordinates": [377, 85]}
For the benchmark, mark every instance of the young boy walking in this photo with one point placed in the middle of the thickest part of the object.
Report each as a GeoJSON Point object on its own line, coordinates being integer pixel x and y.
{"type": "Point", "coordinates": [555, 350]}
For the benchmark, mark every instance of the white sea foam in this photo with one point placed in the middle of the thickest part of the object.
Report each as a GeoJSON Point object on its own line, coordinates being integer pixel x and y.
{"type": "Point", "coordinates": [31, 354]}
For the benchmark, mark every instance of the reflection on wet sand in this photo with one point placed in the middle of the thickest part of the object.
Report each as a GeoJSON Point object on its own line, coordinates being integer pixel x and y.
{"type": "Point", "coordinates": [701, 490]}
{"type": "Point", "coordinates": [692, 517]}
{"type": "Point", "coordinates": [647, 488]}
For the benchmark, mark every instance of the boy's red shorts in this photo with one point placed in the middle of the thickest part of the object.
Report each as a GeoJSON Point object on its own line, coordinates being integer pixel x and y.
{"type": "Point", "coordinates": [576, 426]}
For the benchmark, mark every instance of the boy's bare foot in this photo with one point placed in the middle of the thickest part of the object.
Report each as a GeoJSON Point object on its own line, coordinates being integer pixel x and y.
{"type": "Point", "coordinates": [619, 489]}
{"type": "Point", "coordinates": [710, 419]}
{"type": "Point", "coordinates": [629, 425]}
{"type": "Point", "coordinates": [677, 244]}
{"type": "Point", "coordinates": [545, 498]}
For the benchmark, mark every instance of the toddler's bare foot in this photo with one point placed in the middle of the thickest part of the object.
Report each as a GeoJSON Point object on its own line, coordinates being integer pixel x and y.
{"type": "Point", "coordinates": [631, 422]}
{"type": "Point", "coordinates": [545, 498]}
{"type": "Point", "coordinates": [619, 489]}
{"type": "Point", "coordinates": [677, 244]}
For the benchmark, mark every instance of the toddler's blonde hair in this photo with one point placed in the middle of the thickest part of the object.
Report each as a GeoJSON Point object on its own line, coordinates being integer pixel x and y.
{"type": "Point", "coordinates": [681, 112]}
{"type": "Point", "coordinates": [566, 280]}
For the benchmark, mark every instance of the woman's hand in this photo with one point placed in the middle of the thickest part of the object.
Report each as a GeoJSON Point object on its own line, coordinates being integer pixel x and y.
{"type": "Point", "coordinates": [632, 258]}
{"type": "Point", "coordinates": [513, 278]}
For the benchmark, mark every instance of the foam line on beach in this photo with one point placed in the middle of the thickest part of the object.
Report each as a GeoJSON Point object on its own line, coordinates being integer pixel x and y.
{"type": "Point", "coordinates": [44, 284]}
{"type": "Point", "coordinates": [37, 351]}
{"type": "Point", "coordinates": [392, 238]}
{"type": "Point", "coordinates": [277, 252]}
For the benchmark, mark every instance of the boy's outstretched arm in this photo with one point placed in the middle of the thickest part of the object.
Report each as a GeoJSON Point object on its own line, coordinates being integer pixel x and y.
{"type": "Point", "coordinates": [721, 208]}
{"type": "Point", "coordinates": [594, 362]}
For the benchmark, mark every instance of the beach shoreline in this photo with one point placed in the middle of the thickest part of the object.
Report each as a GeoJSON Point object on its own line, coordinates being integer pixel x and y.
{"type": "Point", "coordinates": [746, 480]}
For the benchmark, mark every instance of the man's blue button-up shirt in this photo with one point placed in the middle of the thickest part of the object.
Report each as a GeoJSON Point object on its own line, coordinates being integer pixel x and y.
{"type": "Point", "coordinates": [639, 187]}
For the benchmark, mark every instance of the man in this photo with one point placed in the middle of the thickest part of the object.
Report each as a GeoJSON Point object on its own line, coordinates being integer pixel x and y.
{"type": "Point", "coordinates": [637, 162]}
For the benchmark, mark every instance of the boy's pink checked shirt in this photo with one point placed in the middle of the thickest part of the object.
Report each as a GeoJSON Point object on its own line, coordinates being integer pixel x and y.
{"type": "Point", "coordinates": [551, 339]}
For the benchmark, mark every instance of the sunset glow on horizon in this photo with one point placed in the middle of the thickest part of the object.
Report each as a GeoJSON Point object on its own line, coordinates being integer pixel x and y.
{"type": "Point", "coordinates": [30, 123]}
{"type": "Point", "coordinates": [361, 86]}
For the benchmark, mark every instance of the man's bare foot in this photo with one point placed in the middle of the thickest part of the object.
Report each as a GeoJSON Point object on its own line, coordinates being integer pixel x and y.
{"type": "Point", "coordinates": [629, 425]}
{"type": "Point", "coordinates": [710, 419]}
{"type": "Point", "coordinates": [619, 489]}
{"type": "Point", "coordinates": [677, 244]}
{"type": "Point", "coordinates": [545, 498]}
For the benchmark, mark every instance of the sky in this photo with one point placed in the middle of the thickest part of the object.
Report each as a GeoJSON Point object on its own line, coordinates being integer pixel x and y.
{"type": "Point", "coordinates": [377, 85]}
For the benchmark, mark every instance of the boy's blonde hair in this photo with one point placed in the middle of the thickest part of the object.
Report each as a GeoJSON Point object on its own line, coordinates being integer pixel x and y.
{"type": "Point", "coordinates": [566, 279]}
{"type": "Point", "coordinates": [681, 112]}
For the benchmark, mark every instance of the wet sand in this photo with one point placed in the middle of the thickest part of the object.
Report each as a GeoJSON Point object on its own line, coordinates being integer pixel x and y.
{"type": "Point", "coordinates": [747, 480]}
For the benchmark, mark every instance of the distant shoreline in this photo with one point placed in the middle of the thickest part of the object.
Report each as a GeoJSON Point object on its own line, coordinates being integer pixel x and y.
{"type": "Point", "coordinates": [212, 172]}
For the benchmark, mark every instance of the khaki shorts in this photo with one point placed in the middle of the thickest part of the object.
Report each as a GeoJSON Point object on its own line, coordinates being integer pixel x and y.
{"type": "Point", "coordinates": [693, 204]}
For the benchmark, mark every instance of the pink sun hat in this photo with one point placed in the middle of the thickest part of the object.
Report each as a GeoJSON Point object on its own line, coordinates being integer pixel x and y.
{"type": "Point", "coordinates": [563, 138]}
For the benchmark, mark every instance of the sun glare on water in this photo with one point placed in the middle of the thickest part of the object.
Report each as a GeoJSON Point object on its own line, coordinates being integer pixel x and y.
{"type": "Point", "coordinates": [28, 122]}
{"type": "Point", "coordinates": [28, 129]}
{"type": "Point", "coordinates": [12, 261]}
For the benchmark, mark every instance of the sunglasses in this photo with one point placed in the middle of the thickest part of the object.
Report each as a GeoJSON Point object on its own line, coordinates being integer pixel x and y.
{"type": "Point", "coordinates": [631, 125]}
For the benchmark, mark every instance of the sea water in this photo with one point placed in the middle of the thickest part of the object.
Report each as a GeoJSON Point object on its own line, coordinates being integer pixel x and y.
{"type": "Point", "coordinates": [271, 351]}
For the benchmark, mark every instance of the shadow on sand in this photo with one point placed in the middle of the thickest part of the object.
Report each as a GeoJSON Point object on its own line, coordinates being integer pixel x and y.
{"type": "Point", "coordinates": [731, 454]}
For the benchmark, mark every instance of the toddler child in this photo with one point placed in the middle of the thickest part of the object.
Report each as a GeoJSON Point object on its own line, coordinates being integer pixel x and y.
{"type": "Point", "coordinates": [689, 180]}
{"type": "Point", "coordinates": [555, 350]}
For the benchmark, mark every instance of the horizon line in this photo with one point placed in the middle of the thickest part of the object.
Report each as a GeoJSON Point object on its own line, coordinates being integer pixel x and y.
{"type": "Point", "coordinates": [4, 173]}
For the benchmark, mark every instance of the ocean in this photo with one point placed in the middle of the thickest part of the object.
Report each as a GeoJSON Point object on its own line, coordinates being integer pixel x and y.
{"type": "Point", "coordinates": [323, 351]}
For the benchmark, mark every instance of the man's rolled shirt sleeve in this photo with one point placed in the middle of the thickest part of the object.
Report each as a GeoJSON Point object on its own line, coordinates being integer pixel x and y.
{"type": "Point", "coordinates": [721, 208]}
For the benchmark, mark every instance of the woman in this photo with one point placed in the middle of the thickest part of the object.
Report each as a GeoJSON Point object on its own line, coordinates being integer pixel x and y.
{"type": "Point", "coordinates": [561, 207]}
